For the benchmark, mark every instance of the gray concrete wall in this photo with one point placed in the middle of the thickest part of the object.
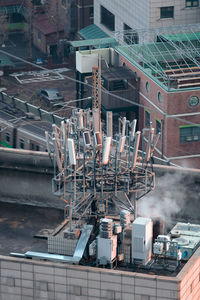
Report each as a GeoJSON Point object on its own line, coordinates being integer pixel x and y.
{"type": "Point", "coordinates": [25, 178]}
{"type": "Point", "coordinates": [22, 279]}
{"type": "Point", "coordinates": [27, 280]}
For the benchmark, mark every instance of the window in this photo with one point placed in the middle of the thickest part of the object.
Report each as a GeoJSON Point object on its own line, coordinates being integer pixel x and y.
{"type": "Point", "coordinates": [191, 3]}
{"type": "Point", "coordinates": [91, 12]}
{"type": "Point", "coordinates": [37, 148]}
{"type": "Point", "coordinates": [167, 12]}
{"type": "Point", "coordinates": [147, 86]}
{"type": "Point", "coordinates": [147, 118]}
{"type": "Point", "coordinates": [189, 133]}
{"type": "Point", "coordinates": [130, 36]}
{"type": "Point", "coordinates": [32, 147]}
{"type": "Point", "coordinates": [107, 19]}
{"type": "Point", "coordinates": [158, 126]}
{"type": "Point", "coordinates": [159, 97]}
{"type": "Point", "coordinates": [21, 144]}
{"type": "Point", "coordinates": [7, 137]}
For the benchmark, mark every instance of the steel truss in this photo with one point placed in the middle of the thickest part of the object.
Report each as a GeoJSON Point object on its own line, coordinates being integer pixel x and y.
{"type": "Point", "coordinates": [165, 51]}
{"type": "Point", "coordinates": [95, 174]}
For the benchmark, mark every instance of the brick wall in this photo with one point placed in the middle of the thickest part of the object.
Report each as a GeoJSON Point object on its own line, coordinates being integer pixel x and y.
{"type": "Point", "coordinates": [171, 104]}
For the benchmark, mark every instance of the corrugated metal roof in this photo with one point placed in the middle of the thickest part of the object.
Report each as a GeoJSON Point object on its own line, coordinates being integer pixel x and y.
{"type": "Point", "coordinates": [105, 42]}
{"type": "Point", "coordinates": [182, 37]}
{"type": "Point", "coordinates": [93, 36]}
{"type": "Point", "coordinates": [92, 32]}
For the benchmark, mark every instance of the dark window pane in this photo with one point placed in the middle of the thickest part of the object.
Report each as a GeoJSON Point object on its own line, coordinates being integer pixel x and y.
{"type": "Point", "coordinates": [190, 134]}
{"type": "Point", "coordinates": [167, 12]}
{"type": "Point", "coordinates": [130, 36]}
{"type": "Point", "coordinates": [107, 19]}
{"type": "Point", "coordinates": [191, 3]}
{"type": "Point", "coordinates": [21, 143]}
{"type": "Point", "coordinates": [147, 118]}
{"type": "Point", "coordinates": [91, 12]}
{"type": "Point", "coordinates": [158, 126]}
{"type": "Point", "coordinates": [7, 137]}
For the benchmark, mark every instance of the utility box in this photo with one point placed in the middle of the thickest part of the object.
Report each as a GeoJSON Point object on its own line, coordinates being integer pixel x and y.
{"type": "Point", "coordinates": [106, 249]}
{"type": "Point", "coordinates": [142, 233]}
{"type": "Point", "coordinates": [85, 61]}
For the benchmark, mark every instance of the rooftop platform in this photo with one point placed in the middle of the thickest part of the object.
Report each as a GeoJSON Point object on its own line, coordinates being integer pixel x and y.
{"type": "Point", "coordinates": [170, 56]}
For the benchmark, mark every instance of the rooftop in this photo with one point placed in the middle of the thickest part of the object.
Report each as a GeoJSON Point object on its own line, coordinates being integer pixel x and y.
{"type": "Point", "coordinates": [170, 56]}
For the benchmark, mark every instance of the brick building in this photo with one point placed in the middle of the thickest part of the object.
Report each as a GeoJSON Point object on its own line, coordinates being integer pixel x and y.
{"type": "Point", "coordinates": [167, 63]}
{"type": "Point", "coordinates": [48, 23]}
{"type": "Point", "coordinates": [85, 13]}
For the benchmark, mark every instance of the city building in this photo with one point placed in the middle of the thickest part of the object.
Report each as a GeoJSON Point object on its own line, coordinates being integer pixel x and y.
{"type": "Point", "coordinates": [85, 13]}
{"type": "Point", "coordinates": [46, 24]}
{"type": "Point", "coordinates": [167, 62]}
{"type": "Point", "coordinates": [132, 14]}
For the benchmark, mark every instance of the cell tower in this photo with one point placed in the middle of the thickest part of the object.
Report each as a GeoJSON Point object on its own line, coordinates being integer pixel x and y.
{"type": "Point", "coordinates": [96, 174]}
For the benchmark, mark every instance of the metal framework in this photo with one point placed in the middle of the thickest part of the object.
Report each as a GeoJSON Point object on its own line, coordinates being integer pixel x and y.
{"type": "Point", "coordinates": [95, 174]}
{"type": "Point", "coordinates": [170, 54]}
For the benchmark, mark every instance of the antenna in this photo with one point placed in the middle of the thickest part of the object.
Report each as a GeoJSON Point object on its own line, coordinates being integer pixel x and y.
{"type": "Point", "coordinates": [106, 150]}
{"type": "Point", "coordinates": [97, 138]}
{"type": "Point", "coordinates": [124, 126]}
{"type": "Point", "coordinates": [148, 148]}
{"type": "Point", "coordinates": [86, 138]}
{"type": "Point", "coordinates": [135, 149]}
{"type": "Point", "coordinates": [109, 123]}
{"type": "Point", "coordinates": [121, 144]}
{"type": "Point", "coordinates": [72, 154]}
{"type": "Point", "coordinates": [79, 116]}
{"type": "Point", "coordinates": [133, 128]}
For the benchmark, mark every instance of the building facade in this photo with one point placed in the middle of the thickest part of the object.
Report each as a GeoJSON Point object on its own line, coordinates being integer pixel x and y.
{"type": "Point", "coordinates": [85, 13]}
{"type": "Point", "coordinates": [121, 15]}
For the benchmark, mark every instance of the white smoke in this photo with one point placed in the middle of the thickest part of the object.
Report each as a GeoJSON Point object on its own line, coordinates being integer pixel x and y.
{"type": "Point", "coordinates": [166, 200]}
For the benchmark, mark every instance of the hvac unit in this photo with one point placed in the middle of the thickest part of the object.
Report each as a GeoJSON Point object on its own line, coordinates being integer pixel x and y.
{"type": "Point", "coordinates": [125, 218]}
{"type": "Point", "coordinates": [142, 232]}
{"type": "Point", "coordinates": [188, 238]}
{"type": "Point", "coordinates": [106, 249]}
{"type": "Point", "coordinates": [85, 62]}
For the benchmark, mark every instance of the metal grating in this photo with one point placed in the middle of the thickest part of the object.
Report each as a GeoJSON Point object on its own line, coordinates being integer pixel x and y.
{"type": "Point", "coordinates": [59, 245]}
